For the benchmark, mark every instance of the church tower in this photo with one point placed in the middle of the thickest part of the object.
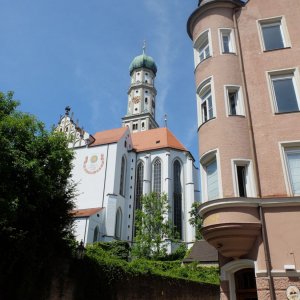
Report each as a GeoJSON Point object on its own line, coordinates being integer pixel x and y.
{"type": "Point", "coordinates": [141, 94]}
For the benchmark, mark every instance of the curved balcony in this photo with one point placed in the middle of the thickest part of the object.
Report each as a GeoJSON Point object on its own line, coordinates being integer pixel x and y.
{"type": "Point", "coordinates": [231, 225]}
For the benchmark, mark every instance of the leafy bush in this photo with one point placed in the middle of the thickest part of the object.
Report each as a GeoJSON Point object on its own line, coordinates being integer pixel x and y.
{"type": "Point", "coordinates": [116, 268]}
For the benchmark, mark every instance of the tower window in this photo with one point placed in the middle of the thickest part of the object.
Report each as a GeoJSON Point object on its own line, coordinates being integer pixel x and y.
{"type": "Point", "coordinates": [146, 81]}
{"type": "Point", "coordinates": [146, 100]}
{"type": "Point", "coordinates": [146, 92]}
{"type": "Point", "coordinates": [136, 92]}
{"type": "Point", "coordinates": [135, 126]}
{"type": "Point", "coordinates": [244, 183]}
{"type": "Point", "coordinates": [273, 34]}
{"type": "Point", "coordinates": [285, 90]}
{"type": "Point", "coordinates": [227, 41]}
{"type": "Point", "coordinates": [234, 101]}
{"type": "Point", "coordinates": [241, 177]}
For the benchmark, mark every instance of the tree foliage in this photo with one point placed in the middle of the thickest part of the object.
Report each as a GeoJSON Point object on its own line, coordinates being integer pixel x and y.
{"type": "Point", "coordinates": [195, 219]}
{"type": "Point", "coordinates": [152, 227]}
{"type": "Point", "coordinates": [35, 198]}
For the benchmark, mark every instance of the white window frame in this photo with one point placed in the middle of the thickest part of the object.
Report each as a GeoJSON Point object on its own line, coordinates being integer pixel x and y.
{"type": "Point", "coordinates": [250, 184]}
{"type": "Point", "coordinates": [240, 108]}
{"type": "Point", "coordinates": [289, 73]}
{"type": "Point", "coordinates": [205, 160]}
{"type": "Point", "coordinates": [198, 43]}
{"type": "Point", "coordinates": [231, 43]}
{"type": "Point", "coordinates": [293, 146]}
{"type": "Point", "coordinates": [201, 92]}
{"type": "Point", "coordinates": [283, 30]}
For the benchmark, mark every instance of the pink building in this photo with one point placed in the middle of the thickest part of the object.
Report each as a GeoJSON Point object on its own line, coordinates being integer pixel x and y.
{"type": "Point", "coordinates": [247, 59]}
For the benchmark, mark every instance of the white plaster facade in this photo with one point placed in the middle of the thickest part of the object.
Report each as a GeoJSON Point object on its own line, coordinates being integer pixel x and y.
{"type": "Point", "coordinates": [105, 168]}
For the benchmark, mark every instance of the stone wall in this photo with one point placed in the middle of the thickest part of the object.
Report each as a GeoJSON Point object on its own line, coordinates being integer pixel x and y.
{"type": "Point", "coordinates": [84, 284]}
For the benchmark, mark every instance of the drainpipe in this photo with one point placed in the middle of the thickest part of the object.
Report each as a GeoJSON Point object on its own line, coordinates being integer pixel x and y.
{"type": "Point", "coordinates": [252, 140]}
{"type": "Point", "coordinates": [267, 252]}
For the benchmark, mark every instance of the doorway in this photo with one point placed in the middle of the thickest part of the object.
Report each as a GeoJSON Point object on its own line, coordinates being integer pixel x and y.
{"type": "Point", "coordinates": [245, 284]}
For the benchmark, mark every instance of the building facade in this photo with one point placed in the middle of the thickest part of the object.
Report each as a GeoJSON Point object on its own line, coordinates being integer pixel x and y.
{"type": "Point", "coordinates": [247, 59]}
{"type": "Point", "coordinates": [114, 168]}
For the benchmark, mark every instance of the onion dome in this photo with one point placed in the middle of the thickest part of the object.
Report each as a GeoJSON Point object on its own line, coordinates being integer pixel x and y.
{"type": "Point", "coordinates": [143, 61]}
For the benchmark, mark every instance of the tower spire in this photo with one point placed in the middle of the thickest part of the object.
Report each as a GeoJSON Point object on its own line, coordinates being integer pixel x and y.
{"type": "Point", "coordinates": [144, 47]}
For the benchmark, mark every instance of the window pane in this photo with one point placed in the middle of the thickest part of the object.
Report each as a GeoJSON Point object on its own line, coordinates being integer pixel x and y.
{"type": "Point", "coordinates": [232, 102]}
{"type": "Point", "coordinates": [177, 199]}
{"type": "Point", "coordinates": [139, 185]}
{"type": "Point", "coordinates": [226, 44]}
{"type": "Point", "coordinates": [212, 181]}
{"type": "Point", "coordinates": [285, 95]}
{"type": "Point", "coordinates": [157, 177]}
{"type": "Point", "coordinates": [272, 36]}
{"type": "Point", "coordinates": [294, 171]}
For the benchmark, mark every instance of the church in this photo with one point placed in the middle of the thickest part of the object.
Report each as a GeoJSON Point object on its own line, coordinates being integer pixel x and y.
{"type": "Point", "coordinates": [114, 168]}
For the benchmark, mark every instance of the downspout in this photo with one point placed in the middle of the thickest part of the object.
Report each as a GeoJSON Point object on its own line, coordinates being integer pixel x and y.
{"type": "Point", "coordinates": [267, 252]}
{"type": "Point", "coordinates": [252, 140]}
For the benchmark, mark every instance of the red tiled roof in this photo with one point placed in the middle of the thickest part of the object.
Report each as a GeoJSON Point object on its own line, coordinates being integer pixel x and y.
{"type": "Point", "coordinates": [87, 212]}
{"type": "Point", "coordinates": [108, 136]}
{"type": "Point", "coordinates": [155, 139]}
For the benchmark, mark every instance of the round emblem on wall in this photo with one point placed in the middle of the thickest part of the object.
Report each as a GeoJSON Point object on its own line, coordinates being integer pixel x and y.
{"type": "Point", "coordinates": [93, 163]}
{"type": "Point", "coordinates": [293, 293]}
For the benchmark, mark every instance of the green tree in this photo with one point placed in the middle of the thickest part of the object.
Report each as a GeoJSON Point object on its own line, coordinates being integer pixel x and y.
{"type": "Point", "coordinates": [35, 200]}
{"type": "Point", "coordinates": [152, 229]}
{"type": "Point", "coordinates": [195, 219]}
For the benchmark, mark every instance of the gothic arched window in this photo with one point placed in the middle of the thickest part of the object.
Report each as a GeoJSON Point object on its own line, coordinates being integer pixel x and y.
{"type": "Point", "coordinates": [96, 233]}
{"type": "Point", "coordinates": [118, 225]}
{"type": "Point", "coordinates": [177, 198]}
{"type": "Point", "coordinates": [139, 184]}
{"type": "Point", "coordinates": [122, 176]}
{"type": "Point", "coordinates": [157, 176]}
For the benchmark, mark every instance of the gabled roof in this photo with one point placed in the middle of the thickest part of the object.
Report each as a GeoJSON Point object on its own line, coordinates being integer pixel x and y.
{"type": "Point", "coordinates": [108, 136]}
{"type": "Point", "coordinates": [155, 139]}
{"type": "Point", "coordinates": [202, 252]}
{"type": "Point", "coordinates": [87, 212]}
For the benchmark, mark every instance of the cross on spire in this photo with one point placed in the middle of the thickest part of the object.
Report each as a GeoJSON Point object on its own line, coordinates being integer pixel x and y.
{"type": "Point", "coordinates": [144, 47]}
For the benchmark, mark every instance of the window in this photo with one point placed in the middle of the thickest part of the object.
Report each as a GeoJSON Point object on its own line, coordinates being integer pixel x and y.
{"type": "Point", "coordinates": [122, 176]}
{"type": "Point", "coordinates": [118, 225]}
{"type": "Point", "coordinates": [234, 101]}
{"type": "Point", "coordinates": [135, 126]}
{"type": "Point", "coordinates": [177, 205]}
{"type": "Point", "coordinates": [210, 180]}
{"type": "Point", "coordinates": [293, 166]}
{"type": "Point", "coordinates": [244, 183]}
{"type": "Point", "coordinates": [284, 92]}
{"type": "Point", "coordinates": [96, 233]}
{"type": "Point", "coordinates": [227, 41]}
{"type": "Point", "coordinates": [273, 33]}
{"type": "Point", "coordinates": [205, 102]}
{"type": "Point", "coordinates": [157, 176]}
{"type": "Point", "coordinates": [202, 47]}
{"type": "Point", "coordinates": [139, 184]}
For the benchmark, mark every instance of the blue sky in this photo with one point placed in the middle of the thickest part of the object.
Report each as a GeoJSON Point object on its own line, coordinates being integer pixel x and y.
{"type": "Point", "coordinates": [72, 52]}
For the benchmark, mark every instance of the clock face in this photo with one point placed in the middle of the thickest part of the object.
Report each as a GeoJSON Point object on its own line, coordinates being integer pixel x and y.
{"type": "Point", "coordinates": [136, 99]}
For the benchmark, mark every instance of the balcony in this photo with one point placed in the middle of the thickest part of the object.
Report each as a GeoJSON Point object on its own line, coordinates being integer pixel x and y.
{"type": "Point", "coordinates": [231, 225]}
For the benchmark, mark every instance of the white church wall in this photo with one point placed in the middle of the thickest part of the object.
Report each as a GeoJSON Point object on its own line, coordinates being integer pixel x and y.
{"type": "Point", "coordinates": [168, 157]}
{"type": "Point", "coordinates": [94, 221]}
{"type": "Point", "coordinates": [89, 173]}
{"type": "Point", "coordinates": [80, 229]}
